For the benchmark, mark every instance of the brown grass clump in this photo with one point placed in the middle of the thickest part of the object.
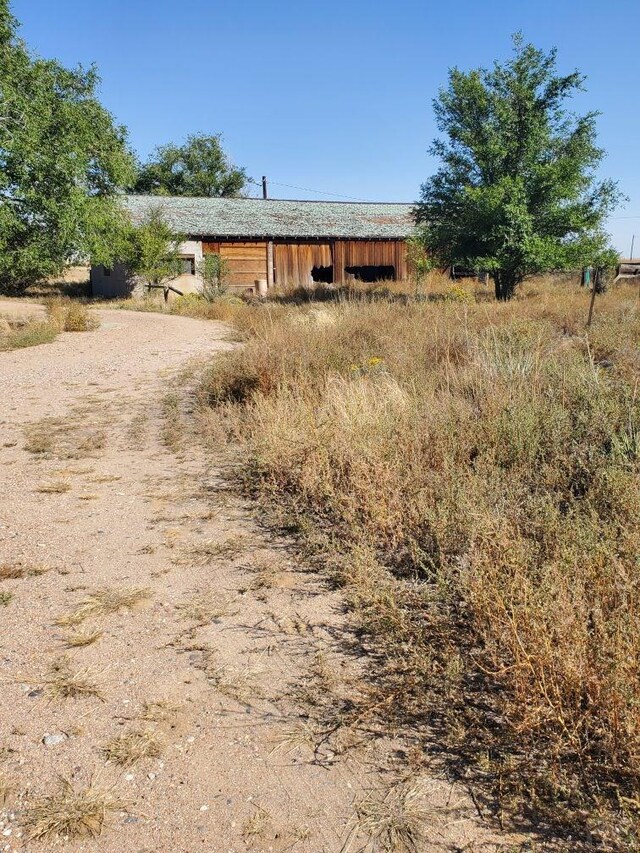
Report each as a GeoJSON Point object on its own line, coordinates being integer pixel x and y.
{"type": "Point", "coordinates": [159, 710]}
{"type": "Point", "coordinates": [70, 316]}
{"type": "Point", "coordinates": [16, 571]}
{"type": "Point", "coordinates": [71, 812]}
{"type": "Point", "coordinates": [128, 748]}
{"type": "Point", "coordinates": [103, 602]}
{"type": "Point", "coordinates": [394, 819]}
{"type": "Point", "coordinates": [81, 636]}
{"type": "Point", "coordinates": [55, 487]}
{"type": "Point", "coordinates": [29, 334]}
{"type": "Point", "coordinates": [472, 471]}
{"type": "Point", "coordinates": [63, 682]}
{"type": "Point", "coordinates": [205, 606]}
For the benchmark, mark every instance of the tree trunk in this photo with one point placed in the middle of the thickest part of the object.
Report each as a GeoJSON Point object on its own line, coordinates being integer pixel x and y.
{"type": "Point", "coordinates": [505, 284]}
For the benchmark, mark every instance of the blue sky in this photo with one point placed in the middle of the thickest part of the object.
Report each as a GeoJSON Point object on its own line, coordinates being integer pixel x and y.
{"type": "Point", "coordinates": [335, 96]}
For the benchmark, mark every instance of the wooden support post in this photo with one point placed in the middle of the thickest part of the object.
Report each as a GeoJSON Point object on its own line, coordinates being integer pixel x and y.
{"type": "Point", "coordinates": [269, 264]}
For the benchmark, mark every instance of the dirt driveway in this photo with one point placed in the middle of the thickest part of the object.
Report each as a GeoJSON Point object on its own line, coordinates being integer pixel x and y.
{"type": "Point", "coordinates": [158, 651]}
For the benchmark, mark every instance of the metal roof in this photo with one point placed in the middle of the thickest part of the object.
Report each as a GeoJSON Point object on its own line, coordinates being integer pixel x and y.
{"type": "Point", "coordinates": [273, 218]}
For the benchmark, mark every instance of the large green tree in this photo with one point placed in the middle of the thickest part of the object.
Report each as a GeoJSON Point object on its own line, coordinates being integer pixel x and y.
{"type": "Point", "coordinates": [516, 192]}
{"type": "Point", "coordinates": [62, 159]}
{"type": "Point", "coordinates": [199, 167]}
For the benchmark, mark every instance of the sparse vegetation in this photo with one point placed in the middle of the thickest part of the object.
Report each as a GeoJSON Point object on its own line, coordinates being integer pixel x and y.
{"type": "Point", "coordinates": [103, 602]}
{"type": "Point", "coordinates": [31, 333]}
{"type": "Point", "coordinates": [5, 598]}
{"type": "Point", "coordinates": [81, 636]}
{"type": "Point", "coordinates": [470, 477]}
{"type": "Point", "coordinates": [202, 607]}
{"type": "Point", "coordinates": [63, 682]}
{"type": "Point", "coordinates": [6, 789]}
{"type": "Point", "coordinates": [128, 748]}
{"type": "Point", "coordinates": [15, 571]}
{"type": "Point", "coordinates": [71, 316]}
{"type": "Point", "coordinates": [55, 487]}
{"type": "Point", "coordinates": [72, 812]}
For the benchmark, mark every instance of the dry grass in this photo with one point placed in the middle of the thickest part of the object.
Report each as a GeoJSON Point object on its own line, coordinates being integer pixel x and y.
{"type": "Point", "coordinates": [6, 789]}
{"type": "Point", "coordinates": [103, 602]}
{"type": "Point", "coordinates": [65, 438]}
{"type": "Point", "coordinates": [28, 334]}
{"type": "Point", "coordinates": [55, 487]}
{"type": "Point", "coordinates": [72, 812]}
{"type": "Point", "coordinates": [470, 473]}
{"type": "Point", "coordinates": [172, 429]}
{"type": "Point", "coordinates": [63, 682]}
{"type": "Point", "coordinates": [257, 827]}
{"type": "Point", "coordinates": [228, 548]}
{"type": "Point", "coordinates": [81, 636]}
{"type": "Point", "coordinates": [393, 820]}
{"type": "Point", "coordinates": [203, 607]}
{"type": "Point", "coordinates": [159, 711]}
{"type": "Point", "coordinates": [16, 571]}
{"type": "Point", "coordinates": [130, 747]}
{"type": "Point", "coordinates": [69, 316]}
{"type": "Point", "coordinates": [5, 598]}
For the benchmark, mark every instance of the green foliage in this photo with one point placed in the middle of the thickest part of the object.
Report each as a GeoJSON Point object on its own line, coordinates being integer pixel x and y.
{"type": "Point", "coordinates": [214, 271]}
{"type": "Point", "coordinates": [154, 251]}
{"type": "Point", "coordinates": [61, 162]}
{"type": "Point", "coordinates": [198, 168]}
{"type": "Point", "coordinates": [419, 261]}
{"type": "Point", "coordinates": [516, 193]}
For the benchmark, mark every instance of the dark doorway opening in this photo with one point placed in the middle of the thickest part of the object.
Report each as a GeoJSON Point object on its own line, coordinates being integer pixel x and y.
{"type": "Point", "coordinates": [322, 275]}
{"type": "Point", "coordinates": [372, 273]}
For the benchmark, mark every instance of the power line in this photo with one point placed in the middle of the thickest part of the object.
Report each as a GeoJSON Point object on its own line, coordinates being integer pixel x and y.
{"type": "Point", "coordinates": [319, 192]}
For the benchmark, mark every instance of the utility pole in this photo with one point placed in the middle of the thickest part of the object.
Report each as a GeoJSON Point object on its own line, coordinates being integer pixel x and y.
{"type": "Point", "coordinates": [270, 275]}
{"type": "Point", "coordinates": [633, 239]}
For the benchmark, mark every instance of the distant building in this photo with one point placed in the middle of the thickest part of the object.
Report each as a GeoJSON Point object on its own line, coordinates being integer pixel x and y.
{"type": "Point", "coordinates": [282, 243]}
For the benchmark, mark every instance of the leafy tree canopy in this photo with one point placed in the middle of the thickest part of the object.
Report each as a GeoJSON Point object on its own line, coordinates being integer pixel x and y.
{"type": "Point", "coordinates": [61, 162]}
{"type": "Point", "coordinates": [153, 251]}
{"type": "Point", "coordinates": [198, 168]}
{"type": "Point", "coordinates": [516, 191]}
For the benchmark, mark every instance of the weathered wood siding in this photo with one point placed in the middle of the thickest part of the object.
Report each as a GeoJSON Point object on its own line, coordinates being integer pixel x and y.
{"type": "Point", "coordinates": [247, 261]}
{"type": "Point", "coordinates": [369, 253]}
{"type": "Point", "coordinates": [294, 261]}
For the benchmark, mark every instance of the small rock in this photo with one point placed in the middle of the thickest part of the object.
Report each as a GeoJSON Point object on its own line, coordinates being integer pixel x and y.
{"type": "Point", "coordinates": [204, 808]}
{"type": "Point", "coordinates": [151, 776]}
{"type": "Point", "coordinates": [129, 777]}
{"type": "Point", "coordinates": [190, 739]}
{"type": "Point", "coordinates": [53, 740]}
{"type": "Point", "coordinates": [131, 819]}
{"type": "Point", "coordinates": [33, 694]}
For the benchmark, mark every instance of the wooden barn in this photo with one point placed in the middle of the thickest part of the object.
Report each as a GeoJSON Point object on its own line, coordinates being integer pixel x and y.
{"type": "Point", "coordinates": [274, 242]}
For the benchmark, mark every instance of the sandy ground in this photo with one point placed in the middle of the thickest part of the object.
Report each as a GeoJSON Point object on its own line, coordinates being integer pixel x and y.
{"type": "Point", "coordinates": [232, 638]}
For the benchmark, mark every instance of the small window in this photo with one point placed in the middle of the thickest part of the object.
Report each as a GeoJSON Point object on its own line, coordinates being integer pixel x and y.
{"type": "Point", "coordinates": [106, 271]}
{"type": "Point", "coordinates": [188, 266]}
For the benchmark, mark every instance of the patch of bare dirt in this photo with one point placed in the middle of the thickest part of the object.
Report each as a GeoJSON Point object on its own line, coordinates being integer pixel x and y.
{"type": "Point", "coordinates": [160, 654]}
